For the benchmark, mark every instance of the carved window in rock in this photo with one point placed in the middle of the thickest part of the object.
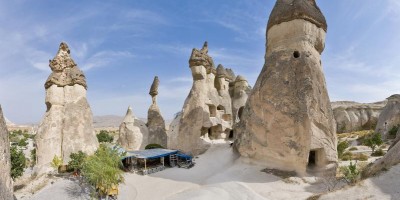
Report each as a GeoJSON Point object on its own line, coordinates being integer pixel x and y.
{"type": "Point", "coordinates": [240, 112]}
{"type": "Point", "coordinates": [212, 110]}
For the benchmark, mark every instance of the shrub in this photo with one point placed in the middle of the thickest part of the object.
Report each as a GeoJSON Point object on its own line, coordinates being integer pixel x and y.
{"type": "Point", "coordinates": [353, 149]}
{"type": "Point", "coordinates": [104, 136]}
{"type": "Point", "coordinates": [378, 152]}
{"type": "Point", "coordinates": [56, 162]}
{"type": "Point", "coordinates": [341, 147]}
{"type": "Point", "coordinates": [373, 141]}
{"type": "Point", "coordinates": [33, 157]}
{"type": "Point", "coordinates": [351, 173]}
{"type": "Point", "coordinates": [153, 146]}
{"type": "Point", "coordinates": [18, 162]}
{"type": "Point", "coordinates": [102, 169]}
{"type": "Point", "coordinates": [22, 142]}
{"type": "Point", "coordinates": [347, 156]}
{"type": "Point", "coordinates": [77, 161]}
{"type": "Point", "coordinates": [393, 131]}
{"type": "Point", "coordinates": [360, 157]}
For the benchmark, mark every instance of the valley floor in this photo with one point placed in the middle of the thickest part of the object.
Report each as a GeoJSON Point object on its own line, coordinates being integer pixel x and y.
{"type": "Point", "coordinates": [221, 174]}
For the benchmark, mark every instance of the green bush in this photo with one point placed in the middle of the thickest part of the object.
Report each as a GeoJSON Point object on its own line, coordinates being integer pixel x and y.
{"type": "Point", "coordinates": [347, 156]}
{"type": "Point", "coordinates": [18, 162]}
{"type": "Point", "coordinates": [378, 153]}
{"type": "Point", "coordinates": [353, 149]}
{"type": "Point", "coordinates": [154, 146]}
{"type": "Point", "coordinates": [341, 147]}
{"type": "Point", "coordinates": [360, 157]}
{"type": "Point", "coordinates": [33, 157]}
{"type": "Point", "coordinates": [373, 141]}
{"type": "Point", "coordinates": [22, 142]}
{"type": "Point", "coordinates": [392, 132]}
{"type": "Point", "coordinates": [102, 169]}
{"type": "Point", "coordinates": [104, 136]}
{"type": "Point", "coordinates": [56, 162]}
{"type": "Point", "coordinates": [351, 173]}
{"type": "Point", "coordinates": [77, 161]}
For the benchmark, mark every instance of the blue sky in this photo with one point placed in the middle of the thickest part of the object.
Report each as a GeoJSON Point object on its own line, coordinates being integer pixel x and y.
{"type": "Point", "coordinates": [122, 45]}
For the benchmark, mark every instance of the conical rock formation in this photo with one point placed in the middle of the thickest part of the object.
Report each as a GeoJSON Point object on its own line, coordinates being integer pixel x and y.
{"type": "Point", "coordinates": [390, 115]}
{"type": "Point", "coordinates": [131, 136]}
{"type": "Point", "coordinates": [288, 122]}
{"type": "Point", "coordinates": [6, 184]}
{"type": "Point", "coordinates": [67, 126]}
{"type": "Point", "coordinates": [155, 121]}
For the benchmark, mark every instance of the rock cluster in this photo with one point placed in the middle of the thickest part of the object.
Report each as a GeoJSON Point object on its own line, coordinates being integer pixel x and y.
{"type": "Point", "coordinates": [67, 126]}
{"type": "Point", "coordinates": [352, 116]}
{"type": "Point", "coordinates": [390, 115]}
{"type": "Point", "coordinates": [155, 121]}
{"type": "Point", "coordinates": [209, 109]}
{"type": "Point", "coordinates": [132, 132]}
{"type": "Point", "coordinates": [288, 122]}
{"type": "Point", "coordinates": [6, 184]}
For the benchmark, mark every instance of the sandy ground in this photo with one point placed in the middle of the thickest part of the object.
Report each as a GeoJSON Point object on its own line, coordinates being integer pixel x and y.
{"type": "Point", "coordinates": [221, 174]}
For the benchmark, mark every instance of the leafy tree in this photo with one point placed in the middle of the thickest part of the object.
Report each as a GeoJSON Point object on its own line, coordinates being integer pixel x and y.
{"type": "Point", "coordinates": [22, 142]}
{"type": "Point", "coordinates": [56, 162]}
{"type": "Point", "coordinates": [18, 162]}
{"type": "Point", "coordinates": [104, 136]}
{"type": "Point", "coordinates": [373, 141]}
{"type": "Point", "coordinates": [102, 169]}
{"type": "Point", "coordinates": [77, 161]}
{"type": "Point", "coordinates": [341, 147]}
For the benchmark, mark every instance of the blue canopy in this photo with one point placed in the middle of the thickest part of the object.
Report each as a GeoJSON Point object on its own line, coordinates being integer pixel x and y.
{"type": "Point", "coordinates": [150, 153]}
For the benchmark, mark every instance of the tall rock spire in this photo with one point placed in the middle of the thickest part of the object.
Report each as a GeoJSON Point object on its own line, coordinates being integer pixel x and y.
{"type": "Point", "coordinates": [288, 122]}
{"type": "Point", "coordinates": [155, 121]}
{"type": "Point", "coordinates": [67, 126]}
{"type": "Point", "coordinates": [154, 89]}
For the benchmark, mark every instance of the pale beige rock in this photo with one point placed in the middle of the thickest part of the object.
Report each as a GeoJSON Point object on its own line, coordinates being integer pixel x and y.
{"type": "Point", "coordinates": [67, 126]}
{"type": "Point", "coordinates": [241, 91]}
{"type": "Point", "coordinates": [207, 112]}
{"type": "Point", "coordinates": [390, 115]}
{"type": "Point", "coordinates": [6, 184]}
{"type": "Point", "coordinates": [352, 116]}
{"type": "Point", "coordinates": [288, 122]}
{"type": "Point", "coordinates": [155, 121]}
{"type": "Point", "coordinates": [131, 137]}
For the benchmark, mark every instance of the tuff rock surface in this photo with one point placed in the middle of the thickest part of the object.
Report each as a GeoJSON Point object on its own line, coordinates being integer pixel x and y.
{"type": "Point", "coordinates": [207, 113]}
{"type": "Point", "coordinates": [67, 126]}
{"type": "Point", "coordinates": [133, 133]}
{"type": "Point", "coordinates": [155, 121]}
{"type": "Point", "coordinates": [287, 122]}
{"type": "Point", "coordinates": [6, 184]}
{"type": "Point", "coordinates": [352, 116]}
{"type": "Point", "coordinates": [390, 115]}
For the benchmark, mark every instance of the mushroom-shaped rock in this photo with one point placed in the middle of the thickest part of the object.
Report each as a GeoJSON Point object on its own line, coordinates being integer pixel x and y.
{"type": "Point", "coordinates": [67, 126]}
{"type": "Point", "coordinates": [201, 58]}
{"type": "Point", "coordinates": [288, 122]}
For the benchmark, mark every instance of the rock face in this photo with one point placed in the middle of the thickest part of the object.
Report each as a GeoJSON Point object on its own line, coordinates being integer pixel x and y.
{"type": "Point", "coordinates": [155, 121]}
{"type": "Point", "coordinates": [288, 122]}
{"type": "Point", "coordinates": [390, 115]}
{"type": "Point", "coordinates": [208, 111]}
{"type": "Point", "coordinates": [132, 133]}
{"type": "Point", "coordinates": [352, 116]}
{"type": "Point", "coordinates": [67, 126]}
{"type": "Point", "coordinates": [6, 185]}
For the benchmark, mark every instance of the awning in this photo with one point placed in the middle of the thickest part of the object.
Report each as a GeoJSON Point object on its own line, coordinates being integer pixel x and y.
{"type": "Point", "coordinates": [150, 153]}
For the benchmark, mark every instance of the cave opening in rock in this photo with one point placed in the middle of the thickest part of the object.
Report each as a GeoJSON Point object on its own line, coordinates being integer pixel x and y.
{"type": "Point", "coordinates": [312, 158]}
{"type": "Point", "coordinates": [296, 54]}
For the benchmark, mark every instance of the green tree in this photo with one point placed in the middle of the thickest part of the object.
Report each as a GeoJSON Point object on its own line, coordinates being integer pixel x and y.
{"type": "Point", "coordinates": [341, 147]}
{"type": "Point", "coordinates": [102, 169]}
{"type": "Point", "coordinates": [373, 141]}
{"type": "Point", "coordinates": [56, 162]}
{"type": "Point", "coordinates": [22, 142]}
{"type": "Point", "coordinates": [153, 146]}
{"type": "Point", "coordinates": [18, 162]}
{"type": "Point", "coordinates": [77, 161]}
{"type": "Point", "coordinates": [393, 130]}
{"type": "Point", "coordinates": [104, 136]}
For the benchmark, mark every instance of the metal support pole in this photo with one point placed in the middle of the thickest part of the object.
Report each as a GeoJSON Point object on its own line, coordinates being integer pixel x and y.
{"type": "Point", "coordinates": [145, 168]}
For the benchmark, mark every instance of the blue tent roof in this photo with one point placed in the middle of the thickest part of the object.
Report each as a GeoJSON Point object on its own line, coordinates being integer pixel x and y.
{"type": "Point", "coordinates": [150, 153]}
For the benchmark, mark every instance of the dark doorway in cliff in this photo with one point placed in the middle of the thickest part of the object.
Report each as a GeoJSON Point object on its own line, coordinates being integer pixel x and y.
{"type": "Point", "coordinates": [296, 54]}
{"type": "Point", "coordinates": [312, 158]}
{"type": "Point", "coordinates": [231, 134]}
{"type": "Point", "coordinates": [240, 112]}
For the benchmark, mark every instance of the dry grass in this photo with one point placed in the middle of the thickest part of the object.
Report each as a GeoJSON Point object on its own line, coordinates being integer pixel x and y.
{"type": "Point", "coordinates": [355, 134]}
